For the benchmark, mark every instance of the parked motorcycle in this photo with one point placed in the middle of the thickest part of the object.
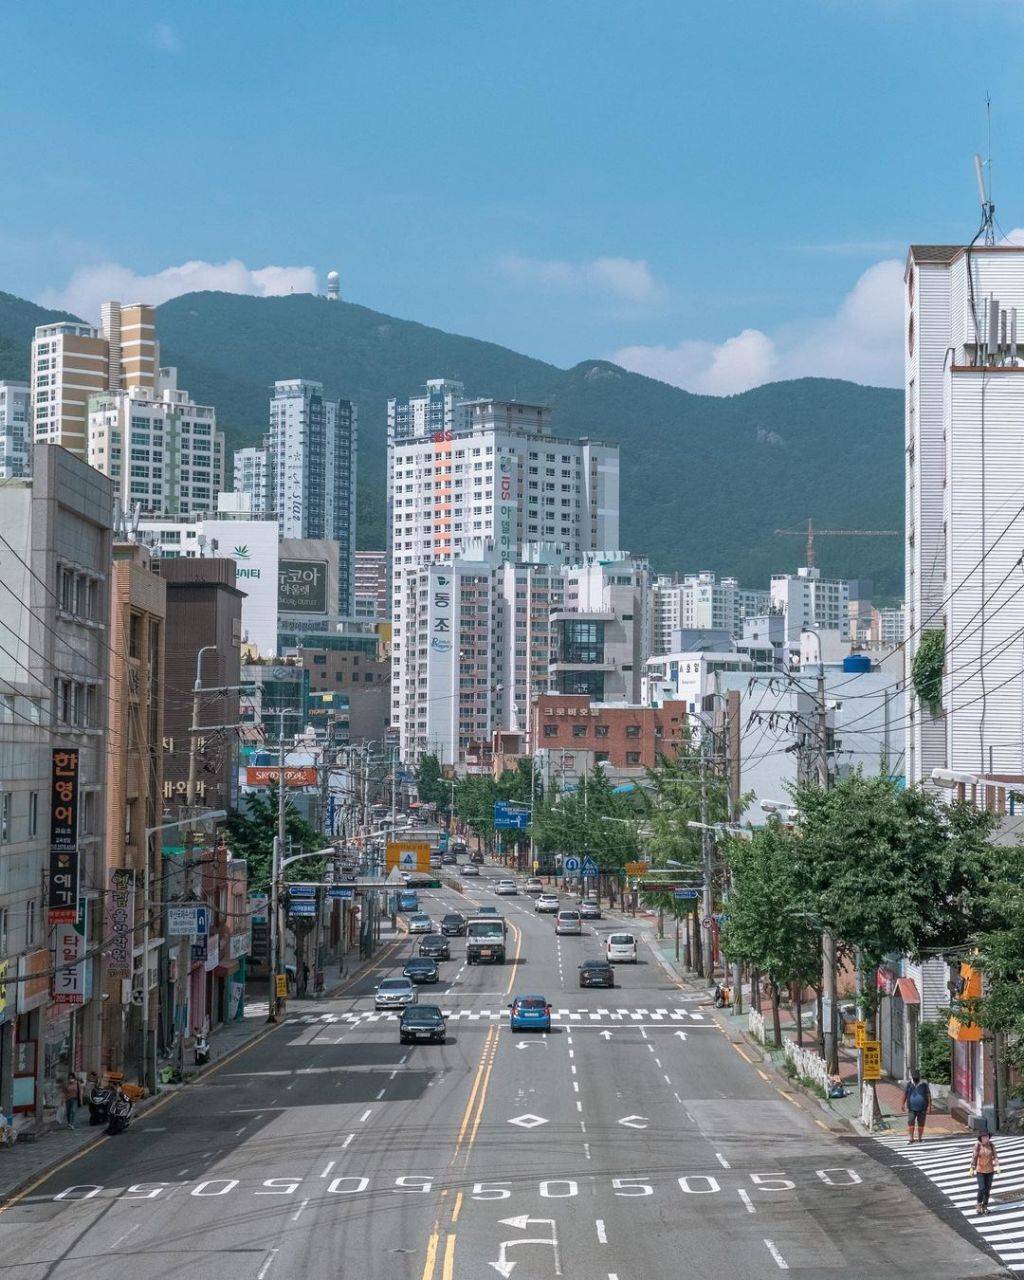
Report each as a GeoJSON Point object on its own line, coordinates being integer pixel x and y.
{"type": "Point", "coordinates": [723, 997]}
{"type": "Point", "coordinates": [99, 1104]}
{"type": "Point", "coordinates": [121, 1110]}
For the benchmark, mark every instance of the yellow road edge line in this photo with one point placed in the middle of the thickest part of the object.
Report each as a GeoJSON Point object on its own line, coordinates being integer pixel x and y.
{"type": "Point", "coordinates": [431, 1259]}
{"type": "Point", "coordinates": [448, 1266]}
{"type": "Point", "coordinates": [762, 1074]}
{"type": "Point", "coordinates": [742, 1054]}
{"type": "Point", "coordinates": [820, 1123]}
{"type": "Point", "coordinates": [457, 1207]}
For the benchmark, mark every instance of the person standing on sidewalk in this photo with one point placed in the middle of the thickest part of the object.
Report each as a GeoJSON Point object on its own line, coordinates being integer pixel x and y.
{"type": "Point", "coordinates": [984, 1166]}
{"type": "Point", "coordinates": [917, 1102]}
{"type": "Point", "coordinates": [72, 1098]}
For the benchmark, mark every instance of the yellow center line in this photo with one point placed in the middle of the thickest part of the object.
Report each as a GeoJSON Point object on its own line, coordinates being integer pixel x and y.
{"type": "Point", "coordinates": [457, 1207]}
{"type": "Point", "coordinates": [515, 959]}
{"type": "Point", "coordinates": [448, 1266]}
{"type": "Point", "coordinates": [431, 1259]}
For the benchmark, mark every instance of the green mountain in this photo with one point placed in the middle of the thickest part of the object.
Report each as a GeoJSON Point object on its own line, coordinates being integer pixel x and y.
{"type": "Point", "coordinates": [706, 480]}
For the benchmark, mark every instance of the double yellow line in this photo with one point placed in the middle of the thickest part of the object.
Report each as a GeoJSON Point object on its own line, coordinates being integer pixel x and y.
{"type": "Point", "coordinates": [466, 1137]}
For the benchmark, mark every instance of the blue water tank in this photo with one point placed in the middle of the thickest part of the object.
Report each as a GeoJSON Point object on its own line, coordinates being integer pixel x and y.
{"type": "Point", "coordinates": [856, 663]}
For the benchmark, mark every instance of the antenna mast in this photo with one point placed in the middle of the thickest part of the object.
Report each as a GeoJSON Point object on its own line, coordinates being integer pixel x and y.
{"type": "Point", "coordinates": [988, 208]}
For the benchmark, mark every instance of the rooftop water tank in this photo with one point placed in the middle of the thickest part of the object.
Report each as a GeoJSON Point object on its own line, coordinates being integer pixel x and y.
{"type": "Point", "coordinates": [856, 663]}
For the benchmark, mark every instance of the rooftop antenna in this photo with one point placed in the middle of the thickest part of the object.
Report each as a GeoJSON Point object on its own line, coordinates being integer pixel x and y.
{"type": "Point", "coordinates": [988, 209]}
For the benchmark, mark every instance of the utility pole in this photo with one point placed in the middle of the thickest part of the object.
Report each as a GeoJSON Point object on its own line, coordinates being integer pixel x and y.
{"type": "Point", "coordinates": [277, 1004]}
{"type": "Point", "coordinates": [828, 941]}
{"type": "Point", "coordinates": [732, 751]}
{"type": "Point", "coordinates": [706, 864]}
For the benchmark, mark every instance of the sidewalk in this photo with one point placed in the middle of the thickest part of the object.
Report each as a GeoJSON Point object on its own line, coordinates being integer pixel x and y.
{"type": "Point", "coordinates": [30, 1160]}
{"type": "Point", "coordinates": [843, 1110]}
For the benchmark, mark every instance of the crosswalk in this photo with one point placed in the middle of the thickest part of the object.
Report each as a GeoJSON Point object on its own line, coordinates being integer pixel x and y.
{"type": "Point", "coordinates": [947, 1165]}
{"type": "Point", "coordinates": [570, 1016]}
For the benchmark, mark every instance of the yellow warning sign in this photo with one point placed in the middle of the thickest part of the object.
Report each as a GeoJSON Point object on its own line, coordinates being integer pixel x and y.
{"type": "Point", "coordinates": [281, 985]}
{"type": "Point", "coordinates": [871, 1051]}
{"type": "Point", "coordinates": [408, 855]}
{"type": "Point", "coordinates": [860, 1032]}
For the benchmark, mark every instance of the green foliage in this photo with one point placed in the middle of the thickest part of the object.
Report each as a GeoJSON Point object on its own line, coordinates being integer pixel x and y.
{"type": "Point", "coordinates": [933, 1051]}
{"type": "Point", "coordinates": [475, 795]}
{"type": "Point", "coordinates": [592, 820]}
{"type": "Point", "coordinates": [431, 786]}
{"type": "Point", "coordinates": [1000, 957]}
{"type": "Point", "coordinates": [251, 834]}
{"type": "Point", "coordinates": [927, 670]}
{"type": "Point", "coordinates": [891, 870]}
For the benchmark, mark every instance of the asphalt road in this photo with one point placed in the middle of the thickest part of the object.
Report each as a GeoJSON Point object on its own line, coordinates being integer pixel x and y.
{"type": "Point", "coordinates": [632, 1143]}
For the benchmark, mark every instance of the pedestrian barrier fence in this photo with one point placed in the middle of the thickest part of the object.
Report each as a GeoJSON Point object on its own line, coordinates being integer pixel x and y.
{"type": "Point", "coordinates": [758, 1028]}
{"type": "Point", "coordinates": [807, 1063]}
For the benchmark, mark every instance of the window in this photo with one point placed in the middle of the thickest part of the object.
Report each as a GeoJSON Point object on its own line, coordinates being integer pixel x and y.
{"type": "Point", "coordinates": [319, 659]}
{"type": "Point", "coordinates": [579, 731]}
{"type": "Point", "coordinates": [551, 731]}
{"type": "Point", "coordinates": [632, 731]}
{"type": "Point", "coordinates": [5, 817]}
{"type": "Point", "coordinates": [632, 757]}
{"type": "Point", "coordinates": [30, 921]}
{"type": "Point", "coordinates": [33, 822]}
{"type": "Point", "coordinates": [600, 731]}
{"type": "Point", "coordinates": [3, 931]}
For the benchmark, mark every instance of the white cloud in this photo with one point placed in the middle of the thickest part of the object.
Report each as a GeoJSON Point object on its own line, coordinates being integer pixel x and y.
{"type": "Point", "coordinates": [625, 279]}
{"type": "Point", "coordinates": [91, 286]}
{"type": "Point", "coordinates": [165, 38]}
{"type": "Point", "coordinates": [861, 342]}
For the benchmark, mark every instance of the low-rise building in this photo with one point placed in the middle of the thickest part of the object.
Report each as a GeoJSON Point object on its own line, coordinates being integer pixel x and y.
{"type": "Point", "coordinates": [624, 739]}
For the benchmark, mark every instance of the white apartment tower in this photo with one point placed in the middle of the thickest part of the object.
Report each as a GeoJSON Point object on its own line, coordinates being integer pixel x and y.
{"type": "Point", "coordinates": [311, 472]}
{"type": "Point", "coordinates": [810, 602]}
{"type": "Point", "coordinates": [162, 450]}
{"type": "Point", "coordinates": [250, 474]}
{"type": "Point", "coordinates": [483, 492]}
{"type": "Point", "coordinates": [15, 430]}
{"type": "Point", "coordinates": [964, 521]}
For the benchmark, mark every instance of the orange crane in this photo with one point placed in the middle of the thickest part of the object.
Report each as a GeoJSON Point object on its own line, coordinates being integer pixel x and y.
{"type": "Point", "coordinates": [810, 533]}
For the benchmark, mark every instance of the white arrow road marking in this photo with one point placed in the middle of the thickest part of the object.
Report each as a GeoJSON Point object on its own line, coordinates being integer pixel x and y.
{"type": "Point", "coordinates": [504, 1266]}
{"type": "Point", "coordinates": [528, 1121]}
{"type": "Point", "coordinates": [606, 1035]}
{"type": "Point", "coordinates": [681, 1035]}
{"type": "Point", "coordinates": [780, 1261]}
{"type": "Point", "coordinates": [634, 1122]}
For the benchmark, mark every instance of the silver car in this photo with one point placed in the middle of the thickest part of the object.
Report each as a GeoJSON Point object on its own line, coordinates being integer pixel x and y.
{"type": "Point", "coordinates": [420, 923]}
{"type": "Point", "coordinates": [568, 922]}
{"type": "Point", "coordinates": [506, 887]}
{"type": "Point", "coordinates": [394, 993]}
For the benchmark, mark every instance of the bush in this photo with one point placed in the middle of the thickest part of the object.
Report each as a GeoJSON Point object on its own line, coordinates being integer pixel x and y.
{"type": "Point", "coordinates": [934, 1051]}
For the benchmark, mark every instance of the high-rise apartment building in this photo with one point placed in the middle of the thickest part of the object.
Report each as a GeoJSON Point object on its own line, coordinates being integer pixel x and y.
{"type": "Point", "coordinates": [700, 602]}
{"type": "Point", "coordinates": [311, 472]}
{"type": "Point", "coordinates": [162, 450]}
{"type": "Point", "coordinates": [250, 476]}
{"type": "Point", "coordinates": [371, 589]}
{"type": "Point", "coordinates": [15, 429]}
{"type": "Point", "coordinates": [811, 603]}
{"type": "Point", "coordinates": [73, 361]}
{"type": "Point", "coordinates": [497, 483]}
{"type": "Point", "coordinates": [964, 408]}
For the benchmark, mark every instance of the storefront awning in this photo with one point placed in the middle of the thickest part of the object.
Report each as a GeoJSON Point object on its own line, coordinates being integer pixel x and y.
{"type": "Point", "coordinates": [907, 990]}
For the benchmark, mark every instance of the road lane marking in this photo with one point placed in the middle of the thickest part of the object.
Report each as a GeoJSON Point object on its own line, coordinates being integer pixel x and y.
{"type": "Point", "coordinates": [380, 1095]}
{"type": "Point", "coordinates": [721, 1160]}
{"type": "Point", "coordinates": [457, 1207]}
{"type": "Point", "coordinates": [746, 1200]}
{"type": "Point", "coordinates": [327, 1172]}
{"type": "Point", "coordinates": [347, 1141]}
{"type": "Point", "coordinates": [602, 1235]}
{"type": "Point", "coordinates": [430, 1260]}
{"type": "Point", "coordinates": [448, 1265]}
{"type": "Point", "coordinates": [267, 1265]}
{"type": "Point", "coordinates": [742, 1054]}
{"type": "Point", "coordinates": [366, 1115]}
{"type": "Point", "coordinates": [298, 1211]}
{"type": "Point", "coordinates": [780, 1261]}
{"type": "Point", "coordinates": [122, 1239]}
{"type": "Point", "coordinates": [586, 1149]}
{"type": "Point", "coordinates": [762, 1074]}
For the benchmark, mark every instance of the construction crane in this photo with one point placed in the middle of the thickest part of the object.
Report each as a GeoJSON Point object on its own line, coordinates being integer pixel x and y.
{"type": "Point", "coordinates": [810, 533]}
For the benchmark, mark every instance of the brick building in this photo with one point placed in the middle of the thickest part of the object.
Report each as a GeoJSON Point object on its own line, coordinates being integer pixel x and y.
{"type": "Point", "coordinates": [622, 736]}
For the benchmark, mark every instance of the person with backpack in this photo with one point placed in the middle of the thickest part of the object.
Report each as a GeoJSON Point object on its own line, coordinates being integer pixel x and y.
{"type": "Point", "coordinates": [984, 1166]}
{"type": "Point", "coordinates": [917, 1102]}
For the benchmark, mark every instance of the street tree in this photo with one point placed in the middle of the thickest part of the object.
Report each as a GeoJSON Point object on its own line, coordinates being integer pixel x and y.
{"type": "Point", "coordinates": [251, 833]}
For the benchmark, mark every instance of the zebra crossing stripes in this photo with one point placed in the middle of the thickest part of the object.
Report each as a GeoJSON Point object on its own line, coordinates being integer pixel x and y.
{"type": "Point", "coordinates": [947, 1165]}
{"type": "Point", "coordinates": [626, 1016]}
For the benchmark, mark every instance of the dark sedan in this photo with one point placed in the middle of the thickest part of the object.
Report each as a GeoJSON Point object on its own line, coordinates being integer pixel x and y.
{"type": "Point", "coordinates": [420, 969]}
{"type": "Point", "coordinates": [596, 973]}
{"type": "Point", "coordinates": [421, 1022]}
{"type": "Point", "coordinates": [435, 947]}
{"type": "Point", "coordinates": [453, 925]}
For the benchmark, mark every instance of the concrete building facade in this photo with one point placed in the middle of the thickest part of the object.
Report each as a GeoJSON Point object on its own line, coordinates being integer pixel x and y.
{"type": "Point", "coordinates": [15, 429]}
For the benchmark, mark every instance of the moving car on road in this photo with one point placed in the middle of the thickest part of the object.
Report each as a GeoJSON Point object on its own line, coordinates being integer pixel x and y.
{"type": "Point", "coordinates": [506, 887]}
{"type": "Point", "coordinates": [420, 923]}
{"type": "Point", "coordinates": [421, 969]}
{"type": "Point", "coordinates": [435, 947]}
{"type": "Point", "coordinates": [422, 1022]}
{"type": "Point", "coordinates": [485, 939]}
{"type": "Point", "coordinates": [453, 925]}
{"type": "Point", "coordinates": [546, 902]}
{"type": "Point", "coordinates": [596, 973]}
{"type": "Point", "coordinates": [568, 922]}
{"type": "Point", "coordinates": [394, 993]}
{"type": "Point", "coordinates": [621, 948]}
{"type": "Point", "coordinates": [529, 1013]}
{"type": "Point", "coordinates": [589, 910]}
{"type": "Point", "coordinates": [533, 886]}
{"type": "Point", "coordinates": [469, 869]}
{"type": "Point", "coordinates": [408, 901]}
{"type": "Point", "coordinates": [487, 911]}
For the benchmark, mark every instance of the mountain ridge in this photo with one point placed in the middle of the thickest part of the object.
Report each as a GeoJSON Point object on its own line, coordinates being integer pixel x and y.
{"type": "Point", "coordinates": [705, 479]}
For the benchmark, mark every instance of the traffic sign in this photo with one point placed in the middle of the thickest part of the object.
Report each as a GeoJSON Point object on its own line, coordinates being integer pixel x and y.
{"type": "Point", "coordinates": [280, 985]}
{"type": "Point", "coordinates": [509, 817]}
{"type": "Point", "coordinates": [590, 867]}
{"type": "Point", "coordinates": [637, 868]}
{"type": "Point", "coordinates": [571, 865]}
{"type": "Point", "coordinates": [684, 893]}
{"type": "Point", "coordinates": [341, 892]}
{"type": "Point", "coordinates": [302, 907]}
{"type": "Point", "coordinates": [408, 855]}
{"type": "Point", "coordinates": [302, 890]}
{"type": "Point", "coordinates": [185, 921]}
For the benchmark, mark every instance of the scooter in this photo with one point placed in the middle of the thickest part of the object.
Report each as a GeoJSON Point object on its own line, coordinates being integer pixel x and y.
{"type": "Point", "coordinates": [121, 1110]}
{"type": "Point", "coordinates": [202, 1051]}
{"type": "Point", "coordinates": [99, 1104]}
{"type": "Point", "coordinates": [723, 997]}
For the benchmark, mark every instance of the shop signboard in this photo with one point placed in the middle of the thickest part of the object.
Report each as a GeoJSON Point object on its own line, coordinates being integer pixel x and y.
{"type": "Point", "coordinates": [63, 888]}
{"type": "Point", "coordinates": [302, 586]}
{"type": "Point", "coordinates": [120, 921]}
{"type": "Point", "coordinates": [69, 959]}
{"type": "Point", "coordinates": [267, 775]}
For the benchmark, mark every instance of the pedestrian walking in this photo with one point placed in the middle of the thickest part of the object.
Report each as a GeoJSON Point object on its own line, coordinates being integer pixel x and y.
{"type": "Point", "coordinates": [72, 1098]}
{"type": "Point", "coordinates": [917, 1102]}
{"type": "Point", "coordinates": [984, 1166]}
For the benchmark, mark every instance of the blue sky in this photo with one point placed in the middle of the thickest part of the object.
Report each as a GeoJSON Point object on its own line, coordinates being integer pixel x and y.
{"type": "Point", "coordinates": [718, 194]}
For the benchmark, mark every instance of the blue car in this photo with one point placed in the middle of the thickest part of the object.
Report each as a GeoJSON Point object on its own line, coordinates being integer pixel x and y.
{"type": "Point", "coordinates": [529, 1013]}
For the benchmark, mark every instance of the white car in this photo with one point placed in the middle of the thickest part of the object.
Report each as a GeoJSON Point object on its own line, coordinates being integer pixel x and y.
{"type": "Point", "coordinates": [534, 886]}
{"type": "Point", "coordinates": [394, 993]}
{"type": "Point", "coordinates": [546, 902]}
{"type": "Point", "coordinates": [568, 922]}
{"type": "Point", "coordinates": [506, 887]}
{"type": "Point", "coordinates": [469, 869]}
{"type": "Point", "coordinates": [621, 948]}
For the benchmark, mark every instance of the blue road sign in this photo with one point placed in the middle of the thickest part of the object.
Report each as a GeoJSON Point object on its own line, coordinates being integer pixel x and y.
{"type": "Point", "coordinates": [302, 907]}
{"type": "Point", "coordinates": [343, 892]}
{"type": "Point", "coordinates": [571, 865]}
{"type": "Point", "coordinates": [302, 890]}
{"type": "Point", "coordinates": [590, 867]}
{"type": "Point", "coordinates": [685, 893]}
{"type": "Point", "coordinates": [509, 817]}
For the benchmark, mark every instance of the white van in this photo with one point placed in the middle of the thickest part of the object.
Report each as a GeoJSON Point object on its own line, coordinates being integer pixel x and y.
{"type": "Point", "coordinates": [621, 948]}
{"type": "Point", "coordinates": [568, 922]}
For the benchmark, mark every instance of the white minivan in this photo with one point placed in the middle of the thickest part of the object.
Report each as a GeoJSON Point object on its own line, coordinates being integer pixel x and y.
{"type": "Point", "coordinates": [621, 948]}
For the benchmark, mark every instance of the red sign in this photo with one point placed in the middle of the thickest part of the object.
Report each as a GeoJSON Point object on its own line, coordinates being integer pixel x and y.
{"type": "Point", "coordinates": [266, 775]}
